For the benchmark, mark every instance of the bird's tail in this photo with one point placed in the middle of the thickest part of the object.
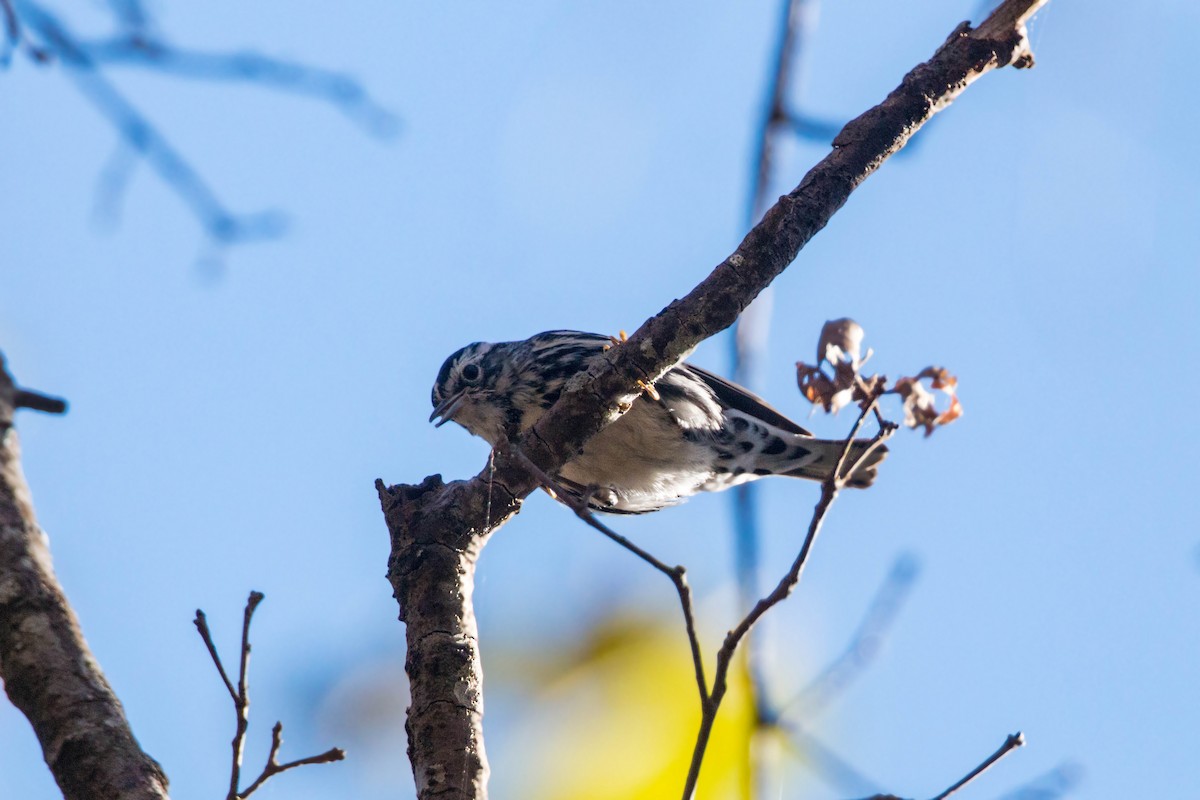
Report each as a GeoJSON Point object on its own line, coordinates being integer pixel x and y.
{"type": "Point", "coordinates": [828, 452]}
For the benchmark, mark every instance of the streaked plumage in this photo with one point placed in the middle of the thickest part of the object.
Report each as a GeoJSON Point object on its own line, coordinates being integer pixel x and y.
{"type": "Point", "coordinates": [702, 434]}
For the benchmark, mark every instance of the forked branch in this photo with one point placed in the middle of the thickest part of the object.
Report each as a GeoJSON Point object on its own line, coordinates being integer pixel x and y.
{"type": "Point", "coordinates": [829, 492]}
{"type": "Point", "coordinates": [241, 706]}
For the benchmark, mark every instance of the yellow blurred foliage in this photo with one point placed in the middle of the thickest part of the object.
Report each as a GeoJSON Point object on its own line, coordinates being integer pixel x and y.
{"type": "Point", "coordinates": [619, 718]}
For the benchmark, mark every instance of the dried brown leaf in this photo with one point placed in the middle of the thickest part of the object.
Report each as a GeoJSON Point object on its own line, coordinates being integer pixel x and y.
{"type": "Point", "coordinates": [840, 346]}
{"type": "Point", "coordinates": [841, 341]}
{"type": "Point", "coordinates": [920, 403]}
{"type": "Point", "coordinates": [817, 387]}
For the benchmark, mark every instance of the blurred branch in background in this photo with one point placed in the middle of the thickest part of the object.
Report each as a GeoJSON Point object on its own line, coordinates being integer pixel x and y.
{"type": "Point", "coordinates": [790, 719]}
{"type": "Point", "coordinates": [783, 115]}
{"type": "Point", "coordinates": [864, 646]}
{"type": "Point", "coordinates": [1058, 782]}
{"type": "Point", "coordinates": [47, 39]}
{"type": "Point", "coordinates": [749, 344]}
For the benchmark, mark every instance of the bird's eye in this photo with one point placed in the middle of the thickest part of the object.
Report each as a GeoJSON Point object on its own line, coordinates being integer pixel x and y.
{"type": "Point", "coordinates": [470, 373]}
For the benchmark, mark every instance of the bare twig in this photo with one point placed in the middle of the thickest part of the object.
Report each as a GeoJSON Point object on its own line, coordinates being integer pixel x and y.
{"type": "Point", "coordinates": [829, 492]}
{"type": "Point", "coordinates": [201, 623]}
{"type": "Point", "coordinates": [241, 706]}
{"type": "Point", "coordinates": [273, 767]}
{"type": "Point", "coordinates": [579, 505]}
{"type": "Point", "coordinates": [677, 574]}
{"type": "Point", "coordinates": [1013, 741]}
{"type": "Point", "coordinates": [834, 679]}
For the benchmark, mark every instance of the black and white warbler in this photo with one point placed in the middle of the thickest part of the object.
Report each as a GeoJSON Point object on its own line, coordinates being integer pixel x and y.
{"type": "Point", "coordinates": [701, 433]}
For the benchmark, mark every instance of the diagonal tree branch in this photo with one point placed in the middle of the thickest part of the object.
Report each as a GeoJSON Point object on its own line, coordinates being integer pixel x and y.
{"type": "Point", "coordinates": [47, 668]}
{"type": "Point", "coordinates": [437, 530]}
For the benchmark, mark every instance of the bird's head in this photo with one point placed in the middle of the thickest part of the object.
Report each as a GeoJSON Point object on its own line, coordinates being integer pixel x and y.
{"type": "Point", "coordinates": [473, 388]}
{"type": "Point", "coordinates": [498, 391]}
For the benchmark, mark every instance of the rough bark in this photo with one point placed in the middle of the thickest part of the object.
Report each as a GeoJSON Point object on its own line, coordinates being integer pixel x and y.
{"type": "Point", "coordinates": [48, 671]}
{"type": "Point", "coordinates": [438, 530]}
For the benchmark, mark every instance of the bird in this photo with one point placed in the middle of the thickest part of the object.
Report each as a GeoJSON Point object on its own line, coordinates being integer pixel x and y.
{"type": "Point", "coordinates": [692, 431]}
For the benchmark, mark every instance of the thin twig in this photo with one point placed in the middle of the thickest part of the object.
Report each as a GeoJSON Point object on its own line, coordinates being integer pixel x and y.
{"type": "Point", "coordinates": [829, 492]}
{"type": "Point", "coordinates": [201, 623]}
{"type": "Point", "coordinates": [677, 574]}
{"type": "Point", "coordinates": [1013, 741]}
{"type": "Point", "coordinates": [273, 767]}
{"type": "Point", "coordinates": [242, 702]}
{"type": "Point", "coordinates": [241, 705]}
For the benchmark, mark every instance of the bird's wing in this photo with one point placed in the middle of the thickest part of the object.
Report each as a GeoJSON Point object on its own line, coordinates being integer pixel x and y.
{"type": "Point", "coordinates": [744, 400]}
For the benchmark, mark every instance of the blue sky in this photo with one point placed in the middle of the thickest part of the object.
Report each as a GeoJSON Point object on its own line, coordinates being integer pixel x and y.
{"type": "Point", "coordinates": [577, 166]}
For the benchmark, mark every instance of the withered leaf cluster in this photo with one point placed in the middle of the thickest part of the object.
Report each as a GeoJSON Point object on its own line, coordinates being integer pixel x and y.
{"type": "Point", "coordinates": [837, 380]}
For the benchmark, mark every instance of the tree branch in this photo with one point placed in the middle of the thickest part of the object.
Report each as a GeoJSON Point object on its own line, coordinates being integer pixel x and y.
{"type": "Point", "coordinates": [829, 492]}
{"type": "Point", "coordinates": [241, 709]}
{"type": "Point", "coordinates": [47, 668]}
{"type": "Point", "coordinates": [273, 767]}
{"type": "Point", "coordinates": [1014, 741]}
{"type": "Point", "coordinates": [676, 574]}
{"type": "Point", "coordinates": [437, 530]}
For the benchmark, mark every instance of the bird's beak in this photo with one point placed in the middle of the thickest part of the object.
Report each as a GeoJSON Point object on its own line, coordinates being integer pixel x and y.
{"type": "Point", "coordinates": [446, 409]}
